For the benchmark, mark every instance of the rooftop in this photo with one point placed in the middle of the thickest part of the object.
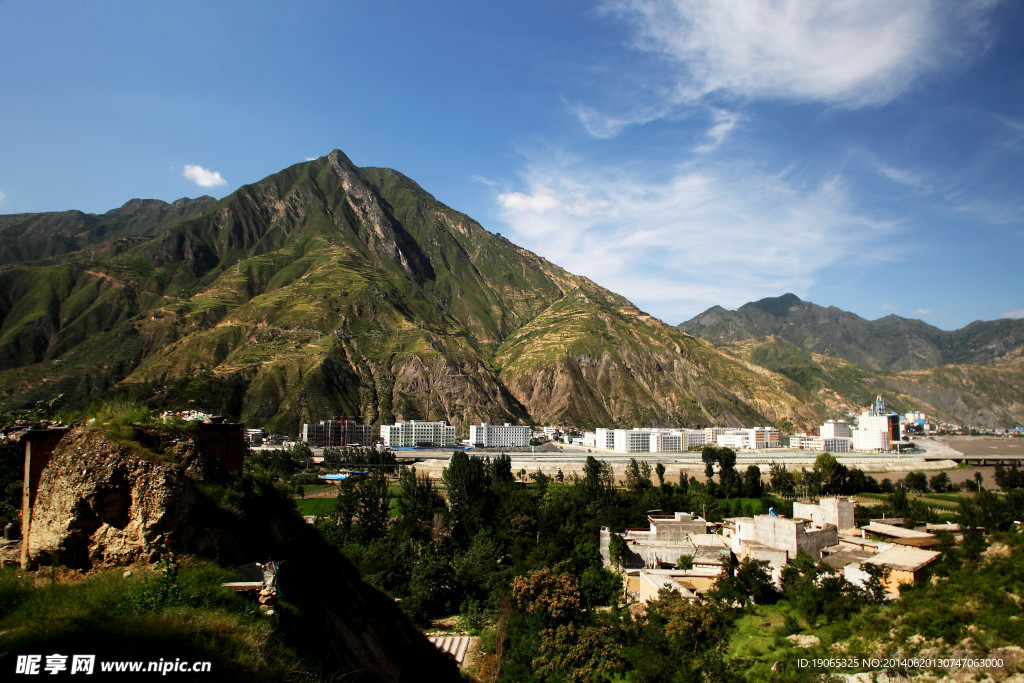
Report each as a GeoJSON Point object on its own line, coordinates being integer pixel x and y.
{"type": "Point", "coordinates": [904, 558]}
{"type": "Point", "coordinates": [894, 531]}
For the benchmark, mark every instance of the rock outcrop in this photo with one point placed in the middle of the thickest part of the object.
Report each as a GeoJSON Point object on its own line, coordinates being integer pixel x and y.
{"type": "Point", "coordinates": [103, 502]}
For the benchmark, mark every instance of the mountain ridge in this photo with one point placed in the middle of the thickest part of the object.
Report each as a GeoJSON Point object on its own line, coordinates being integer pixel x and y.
{"type": "Point", "coordinates": [890, 343]}
{"type": "Point", "coordinates": [328, 288]}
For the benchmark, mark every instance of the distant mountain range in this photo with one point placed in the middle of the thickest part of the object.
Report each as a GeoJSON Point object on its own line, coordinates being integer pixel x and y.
{"type": "Point", "coordinates": [972, 375]}
{"type": "Point", "coordinates": [328, 288]}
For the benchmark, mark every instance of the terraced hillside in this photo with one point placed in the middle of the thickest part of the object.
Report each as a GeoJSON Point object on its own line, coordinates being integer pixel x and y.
{"type": "Point", "coordinates": [327, 288]}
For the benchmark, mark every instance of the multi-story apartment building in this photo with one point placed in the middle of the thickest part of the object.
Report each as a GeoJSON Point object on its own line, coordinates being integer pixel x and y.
{"type": "Point", "coordinates": [604, 438]}
{"type": "Point", "coordinates": [632, 440]}
{"type": "Point", "coordinates": [417, 433]}
{"type": "Point", "coordinates": [753, 438]}
{"type": "Point", "coordinates": [498, 436]}
{"type": "Point", "coordinates": [335, 433]}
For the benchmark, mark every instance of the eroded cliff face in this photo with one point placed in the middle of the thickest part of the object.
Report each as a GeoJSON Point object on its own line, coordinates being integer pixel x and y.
{"type": "Point", "coordinates": [102, 502]}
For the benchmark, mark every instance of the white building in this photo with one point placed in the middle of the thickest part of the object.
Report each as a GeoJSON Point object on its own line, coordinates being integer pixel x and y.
{"type": "Point", "coordinates": [498, 436]}
{"type": "Point", "coordinates": [693, 438]}
{"type": "Point", "coordinates": [632, 440]}
{"type": "Point", "coordinates": [418, 433]}
{"type": "Point", "coordinates": [836, 444]}
{"type": "Point", "coordinates": [604, 438]}
{"type": "Point", "coordinates": [876, 432]}
{"type": "Point", "coordinates": [666, 442]}
{"type": "Point", "coordinates": [754, 438]}
{"type": "Point", "coordinates": [836, 429]}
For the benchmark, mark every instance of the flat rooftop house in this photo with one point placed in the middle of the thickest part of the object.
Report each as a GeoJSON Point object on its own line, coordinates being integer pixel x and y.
{"type": "Point", "coordinates": [643, 585]}
{"type": "Point", "coordinates": [901, 536]}
{"type": "Point", "coordinates": [869, 545]}
{"type": "Point", "coordinates": [791, 535]}
{"type": "Point", "coordinates": [666, 538]}
{"type": "Point", "coordinates": [906, 565]}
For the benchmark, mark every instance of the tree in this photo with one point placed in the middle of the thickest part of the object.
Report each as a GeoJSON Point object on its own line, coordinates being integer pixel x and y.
{"type": "Point", "coordinates": [466, 481]}
{"type": "Point", "coordinates": [373, 505]}
{"type": "Point", "coordinates": [684, 562]}
{"type": "Point", "coordinates": [659, 469]}
{"type": "Point", "coordinates": [748, 582]}
{"type": "Point", "coordinates": [597, 480]}
{"type": "Point", "coordinates": [940, 483]}
{"type": "Point", "coordinates": [417, 498]}
{"type": "Point", "coordinates": [689, 626]}
{"type": "Point", "coordinates": [710, 456]}
{"type": "Point", "coordinates": [916, 481]}
{"type": "Point", "coordinates": [501, 470]}
{"type": "Point", "coordinates": [579, 653]}
{"type": "Point", "coordinates": [618, 551]}
{"type": "Point", "coordinates": [781, 479]}
{"type": "Point", "coordinates": [638, 476]}
{"type": "Point", "coordinates": [752, 482]}
{"type": "Point", "coordinates": [1011, 477]}
{"type": "Point", "coordinates": [830, 473]}
{"type": "Point", "coordinates": [549, 592]}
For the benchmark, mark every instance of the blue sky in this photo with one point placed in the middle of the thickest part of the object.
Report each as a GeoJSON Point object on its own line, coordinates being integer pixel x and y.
{"type": "Point", "coordinates": [867, 155]}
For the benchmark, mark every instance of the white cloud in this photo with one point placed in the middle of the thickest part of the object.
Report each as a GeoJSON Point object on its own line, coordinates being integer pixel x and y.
{"type": "Point", "coordinates": [888, 307]}
{"type": "Point", "coordinates": [311, 158]}
{"type": "Point", "coordinates": [904, 177]}
{"type": "Point", "coordinates": [1014, 314]}
{"type": "Point", "coordinates": [923, 311]}
{"type": "Point", "coordinates": [671, 246]}
{"type": "Point", "coordinates": [852, 53]}
{"type": "Point", "coordinates": [856, 53]}
{"type": "Point", "coordinates": [203, 177]}
{"type": "Point", "coordinates": [725, 121]}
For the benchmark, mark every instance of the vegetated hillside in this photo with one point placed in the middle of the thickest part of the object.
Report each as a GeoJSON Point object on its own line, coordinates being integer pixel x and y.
{"type": "Point", "coordinates": [155, 499]}
{"type": "Point", "coordinates": [33, 236]}
{"type": "Point", "coordinates": [326, 288]}
{"type": "Point", "coordinates": [890, 344]}
{"type": "Point", "coordinates": [969, 376]}
{"type": "Point", "coordinates": [980, 395]}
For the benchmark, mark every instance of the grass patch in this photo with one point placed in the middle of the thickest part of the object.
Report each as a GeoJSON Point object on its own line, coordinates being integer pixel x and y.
{"type": "Point", "coordinates": [320, 507]}
{"type": "Point", "coordinates": [170, 612]}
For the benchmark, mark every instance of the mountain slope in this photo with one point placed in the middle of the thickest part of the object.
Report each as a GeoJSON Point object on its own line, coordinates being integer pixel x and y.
{"type": "Point", "coordinates": [327, 288]}
{"type": "Point", "coordinates": [969, 376]}
{"type": "Point", "coordinates": [891, 343]}
{"type": "Point", "coordinates": [34, 236]}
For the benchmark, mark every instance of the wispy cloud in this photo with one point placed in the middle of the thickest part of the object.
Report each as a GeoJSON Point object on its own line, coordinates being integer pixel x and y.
{"type": "Point", "coordinates": [725, 121]}
{"type": "Point", "coordinates": [203, 177]}
{"type": "Point", "coordinates": [888, 307]}
{"type": "Point", "coordinates": [849, 54]}
{"type": "Point", "coordinates": [923, 311]}
{"type": "Point", "coordinates": [671, 246]}
{"type": "Point", "coordinates": [1014, 314]}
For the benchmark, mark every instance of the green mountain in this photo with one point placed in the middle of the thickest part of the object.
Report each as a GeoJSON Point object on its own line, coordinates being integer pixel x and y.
{"type": "Point", "coordinates": [891, 343]}
{"type": "Point", "coordinates": [33, 236]}
{"type": "Point", "coordinates": [972, 376]}
{"type": "Point", "coordinates": [327, 288]}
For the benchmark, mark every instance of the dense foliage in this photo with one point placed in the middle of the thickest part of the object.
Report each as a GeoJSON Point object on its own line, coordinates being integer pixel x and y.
{"type": "Point", "coordinates": [519, 563]}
